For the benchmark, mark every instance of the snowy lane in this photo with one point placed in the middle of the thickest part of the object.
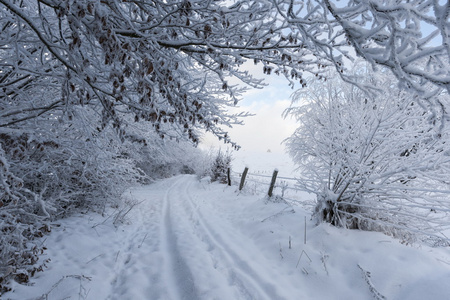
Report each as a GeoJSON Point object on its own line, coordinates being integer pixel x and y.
{"type": "Point", "coordinates": [175, 244]}
{"type": "Point", "coordinates": [196, 249]}
{"type": "Point", "coordinates": [138, 264]}
{"type": "Point", "coordinates": [224, 264]}
{"type": "Point", "coordinates": [199, 265]}
{"type": "Point", "coordinates": [187, 239]}
{"type": "Point", "coordinates": [177, 274]}
{"type": "Point", "coordinates": [241, 270]}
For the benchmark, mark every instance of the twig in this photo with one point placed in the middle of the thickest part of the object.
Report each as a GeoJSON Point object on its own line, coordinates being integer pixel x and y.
{"type": "Point", "coordinates": [95, 258]}
{"type": "Point", "coordinates": [129, 205]}
{"type": "Point", "coordinates": [305, 230]}
{"type": "Point", "coordinates": [143, 240]}
{"type": "Point", "coordinates": [372, 288]}
{"type": "Point", "coordinates": [324, 260]}
{"type": "Point", "coordinates": [80, 277]}
{"type": "Point", "coordinates": [292, 211]}
{"type": "Point", "coordinates": [303, 251]}
{"type": "Point", "coordinates": [43, 242]}
{"type": "Point", "coordinates": [281, 250]}
{"type": "Point", "coordinates": [101, 223]}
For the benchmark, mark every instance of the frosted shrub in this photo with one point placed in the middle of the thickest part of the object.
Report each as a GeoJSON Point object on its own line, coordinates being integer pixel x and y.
{"type": "Point", "coordinates": [18, 257]}
{"type": "Point", "coordinates": [43, 180]}
{"type": "Point", "coordinates": [165, 158]}
{"type": "Point", "coordinates": [220, 165]}
{"type": "Point", "coordinates": [50, 174]}
{"type": "Point", "coordinates": [374, 161]}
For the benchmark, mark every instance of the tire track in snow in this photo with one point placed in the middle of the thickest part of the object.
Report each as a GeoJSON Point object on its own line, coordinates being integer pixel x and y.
{"type": "Point", "coordinates": [240, 272]}
{"type": "Point", "coordinates": [178, 274]}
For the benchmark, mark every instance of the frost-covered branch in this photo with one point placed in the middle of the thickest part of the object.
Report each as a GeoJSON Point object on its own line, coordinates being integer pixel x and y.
{"type": "Point", "coordinates": [165, 63]}
{"type": "Point", "coordinates": [372, 160]}
{"type": "Point", "coordinates": [409, 38]}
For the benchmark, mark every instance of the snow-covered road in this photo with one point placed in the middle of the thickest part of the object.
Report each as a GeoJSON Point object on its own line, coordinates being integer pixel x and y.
{"type": "Point", "coordinates": [188, 239]}
{"type": "Point", "coordinates": [201, 255]}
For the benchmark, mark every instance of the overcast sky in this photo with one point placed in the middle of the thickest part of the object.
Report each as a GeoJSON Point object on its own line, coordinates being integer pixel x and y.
{"type": "Point", "coordinates": [267, 129]}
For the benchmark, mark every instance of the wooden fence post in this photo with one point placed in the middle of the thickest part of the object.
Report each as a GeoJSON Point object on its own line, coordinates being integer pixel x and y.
{"type": "Point", "coordinates": [272, 183]}
{"type": "Point", "coordinates": [229, 177]}
{"type": "Point", "coordinates": [241, 185]}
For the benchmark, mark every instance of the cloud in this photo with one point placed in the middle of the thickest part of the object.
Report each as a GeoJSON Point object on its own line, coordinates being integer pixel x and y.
{"type": "Point", "coordinates": [267, 129]}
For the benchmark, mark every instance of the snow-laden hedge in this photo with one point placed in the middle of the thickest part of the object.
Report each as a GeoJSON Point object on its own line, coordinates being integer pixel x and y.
{"type": "Point", "coordinates": [47, 175]}
{"type": "Point", "coordinates": [42, 181]}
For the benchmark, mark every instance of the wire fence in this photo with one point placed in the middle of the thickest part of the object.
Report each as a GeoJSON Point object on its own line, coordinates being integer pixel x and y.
{"type": "Point", "coordinates": [285, 187]}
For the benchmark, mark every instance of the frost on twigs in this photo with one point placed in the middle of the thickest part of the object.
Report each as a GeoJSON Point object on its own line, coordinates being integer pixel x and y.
{"type": "Point", "coordinates": [170, 64]}
{"type": "Point", "coordinates": [221, 162]}
{"type": "Point", "coordinates": [95, 104]}
{"type": "Point", "coordinates": [121, 214]}
{"type": "Point", "coordinates": [376, 294]}
{"type": "Point", "coordinates": [410, 38]}
{"type": "Point", "coordinates": [66, 285]}
{"type": "Point", "coordinates": [19, 258]}
{"type": "Point", "coordinates": [375, 162]}
{"type": "Point", "coordinates": [42, 180]}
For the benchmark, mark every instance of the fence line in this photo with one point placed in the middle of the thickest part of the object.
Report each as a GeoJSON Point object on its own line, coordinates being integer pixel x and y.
{"type": "Point", "coordinates": [270, 176]}
{"type": "Point", "coordinates": [281, 188]}
{"type": "Point", "coordinates": [266, 176]}
{"type": "Point", "coordinates": [268, 183]}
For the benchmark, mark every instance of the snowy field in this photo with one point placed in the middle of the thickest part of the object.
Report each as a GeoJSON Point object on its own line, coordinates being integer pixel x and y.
{"type": "Point", "coordinates": [188, 239]}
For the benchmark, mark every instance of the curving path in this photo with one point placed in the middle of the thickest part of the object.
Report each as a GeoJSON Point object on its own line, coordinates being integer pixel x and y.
{"type": "Point", "coordinates": [193, 252]}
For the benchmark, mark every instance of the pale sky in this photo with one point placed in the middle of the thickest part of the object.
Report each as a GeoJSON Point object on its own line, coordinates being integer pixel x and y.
{"type": "Point", "coordinates": [267, 129]}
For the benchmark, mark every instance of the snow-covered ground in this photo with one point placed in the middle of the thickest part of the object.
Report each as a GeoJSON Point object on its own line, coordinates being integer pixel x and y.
{"type": "Point", "coordinates": [188, 239]}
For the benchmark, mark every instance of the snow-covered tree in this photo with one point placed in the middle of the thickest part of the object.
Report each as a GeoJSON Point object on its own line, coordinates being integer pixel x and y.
{"type": "Point", "coordinates": [411, 38]}
{"type": "Point", "coordinates": [171, 61]}
{"type": "Point", "coordinates": [164, 62]}
{"type": "Point", "coordinates": [374, 162]}
{"type": "Point", "coordinates": [76, 76]}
